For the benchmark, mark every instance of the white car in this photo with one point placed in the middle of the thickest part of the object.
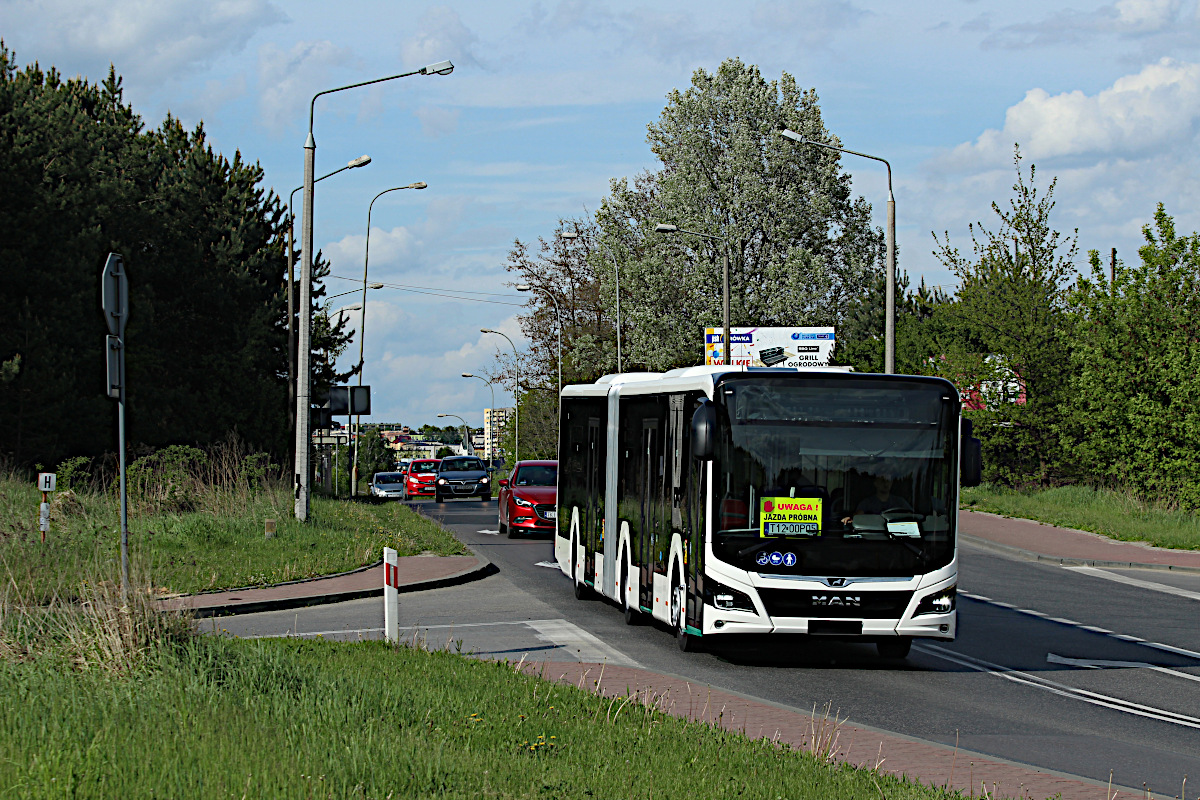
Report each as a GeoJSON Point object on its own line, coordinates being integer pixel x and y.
{"type": "Point", "coordinates": [388, 485]}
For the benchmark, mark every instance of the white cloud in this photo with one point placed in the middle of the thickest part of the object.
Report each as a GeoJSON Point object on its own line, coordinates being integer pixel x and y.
{"type": "Point", "coordinates": [437, 122]}
{"type": "Point", "coordinates": [147, 40]}
{"type": "Point", "coordinates": [441, 35]}
{"type": "Point", "coordinates": [1125, 18]}
{"type": "Point", "coordinates": [1139, 114]}
{"type": "Point", "coordinates": [288, 80]}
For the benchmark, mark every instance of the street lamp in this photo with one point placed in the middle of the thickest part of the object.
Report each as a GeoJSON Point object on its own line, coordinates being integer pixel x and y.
{"type": "Point", "coordinates": [663, 227]}
{"type": "Point", "coordinates": [525, 287]}
{"type": "Point", "coordinates": [492, 455]}
{"type": "Point", "coordinates": [352, 291]}
{"type": "Point", "coordinates": [362, 323]}
{"type": "Point", "coordinates": [361, 161]}
{"type": "Point", "coordinates": [465, 431]}
{"type": "Point", "coordinates": [516, 395]}
{"type": "Point", "coordinates": [573, 235]}
{"type": "Point", "coordinates": [303, 489]}
{"type": "Point", "coordinates": [889, 328]}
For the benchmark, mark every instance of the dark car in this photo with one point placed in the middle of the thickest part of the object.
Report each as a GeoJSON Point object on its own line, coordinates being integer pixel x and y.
{"type": "Point", "coordinates": [462, 476]}
{"type": "Point", "coordinates": [422, 472]}
{"type": "Point", "coordinates": [528, 499]}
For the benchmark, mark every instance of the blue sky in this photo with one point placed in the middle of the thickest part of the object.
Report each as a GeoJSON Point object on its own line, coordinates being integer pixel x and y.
{"type": "Point", "coordinates": [549, 100]}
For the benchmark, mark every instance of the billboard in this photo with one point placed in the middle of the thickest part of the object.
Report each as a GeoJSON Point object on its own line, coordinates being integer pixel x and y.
{"type": "Point", "coordinates": [771, 347]}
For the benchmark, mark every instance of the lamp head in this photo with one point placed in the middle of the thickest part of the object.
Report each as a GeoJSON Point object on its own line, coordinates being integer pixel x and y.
{"type": "Point", "coordinates": [443, 415]}
{"type": "Point", "coordinates": [664, 227]}
{"type": "Point", "coordinates": [440, 68]}
{"type": "Point", "coordinates": [790, 134]}
{"type": "Point", "coordinates": [486, 330]}
{"type": "Point", "coordinates": [361, 161]}
{"type": "Point", "coordinates": [568, 235]}
{"type": "Point", "coordinates": [375, 286]}
{"type": "Point", "coordinates": [468, 375]}
{"type": "Point", "coordinates": [523, 287]}
{"type": "Point", "coordinates": [417, 185]}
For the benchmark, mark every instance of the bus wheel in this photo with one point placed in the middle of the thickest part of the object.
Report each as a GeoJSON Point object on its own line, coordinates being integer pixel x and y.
{"type": "Point", "coordinates": [688, 643]}
{"type": "Point", "coordinates": [896, 647]}
{"type": "Point", "coordinates": [633, 615]}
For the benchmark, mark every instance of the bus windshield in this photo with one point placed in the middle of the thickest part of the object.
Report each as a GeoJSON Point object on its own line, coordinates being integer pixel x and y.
{"type": "Point", "coordinates": [835, 476]}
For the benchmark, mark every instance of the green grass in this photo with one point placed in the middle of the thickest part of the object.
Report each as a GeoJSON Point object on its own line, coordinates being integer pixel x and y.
{"type": "Point", "coordinates": [223, 547]}
{"type": "Point", "coordinates": [219, 718]}
{"type": "Point", "coordinates": [1100, 511]}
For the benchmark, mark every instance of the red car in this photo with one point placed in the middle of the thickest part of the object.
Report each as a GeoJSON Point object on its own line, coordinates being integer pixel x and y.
{"type": "Point", "coordinates": [418, 481]}
{"type": "Point", "coordinates": [529, 498]}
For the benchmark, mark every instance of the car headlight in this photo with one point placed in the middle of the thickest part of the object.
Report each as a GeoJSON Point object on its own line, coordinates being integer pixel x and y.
{"type": "Point", "coordinates": [942, 602]}
{"type": "Point", "coordinates": [521, 501]}
{"type": "Point", "coordinates": [483, 480]}
{"type": "Point", "coordinates": [441, 480]}
{"type": "Point", "coordinates": [726, 597]}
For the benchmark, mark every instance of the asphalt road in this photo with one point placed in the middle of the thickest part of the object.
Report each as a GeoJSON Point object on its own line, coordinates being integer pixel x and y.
{"type": "Point", "coordinates": [1076, 670]}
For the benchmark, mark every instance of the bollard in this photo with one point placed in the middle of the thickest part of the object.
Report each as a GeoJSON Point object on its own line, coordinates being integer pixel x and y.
{"type": "Point", "coordinates": [391, 596]}
{"type": "Point", "coordinates": [269, 529]}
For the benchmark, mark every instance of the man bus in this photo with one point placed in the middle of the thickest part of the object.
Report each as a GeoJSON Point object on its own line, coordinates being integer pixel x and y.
{"type": "Point", "coordinates": [728, 500]}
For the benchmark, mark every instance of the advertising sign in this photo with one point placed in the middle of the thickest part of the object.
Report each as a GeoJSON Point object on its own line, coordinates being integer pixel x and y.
{"type": "Point", "coordinates": [771, 347]}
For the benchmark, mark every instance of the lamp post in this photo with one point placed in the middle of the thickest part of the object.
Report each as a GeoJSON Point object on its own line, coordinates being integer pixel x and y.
{"type": "Point", "coordinates": [516, 395]}
{"type": "Point", "coordinates": [303, 490]}
{"type": "Point", "coordinates": [889, 327]}
{"type": "Point", "coordinates": [492, 455]}
{"type": "Point", "coordinates": [573, 235]}
{"type": "Point", "coordinates": [362, 322]}
{"type": "Point", "coordinates": [525, 287]}
{"type": "Point", "coordinates": [465, 431]}
{"type": "Point", "coordinates": [727, 342]}
{"type": "Point", "coordinates": [352, 291]}
{"type": "Point", "coordinates": [361, 161]}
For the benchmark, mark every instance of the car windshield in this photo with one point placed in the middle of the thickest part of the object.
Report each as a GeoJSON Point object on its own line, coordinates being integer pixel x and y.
{"type": "Point", "coordinates": [383, 478]}
{"type": "Point", "coordinates": [536, 475]}
{"type": "Point", "coordinates": [460, 464]}
{"type": "Point", "coordinates": [823, 476]}
{"type": "Point", "coordinates": [422, 466]}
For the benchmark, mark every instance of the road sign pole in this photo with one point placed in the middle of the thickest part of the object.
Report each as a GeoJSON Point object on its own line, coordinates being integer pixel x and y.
{"type": "Point", "coordinates": [114, 301]}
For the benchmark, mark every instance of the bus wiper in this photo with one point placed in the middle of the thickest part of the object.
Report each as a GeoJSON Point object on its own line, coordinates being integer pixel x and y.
{"type": "Point", "coordinates": [919, 552]}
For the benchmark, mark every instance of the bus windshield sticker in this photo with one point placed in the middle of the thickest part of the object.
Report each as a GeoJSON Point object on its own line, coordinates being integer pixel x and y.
{"type": "Point", "coordinates": [905, 529]}
{"type": "Point", "coordinates": [789, 516]}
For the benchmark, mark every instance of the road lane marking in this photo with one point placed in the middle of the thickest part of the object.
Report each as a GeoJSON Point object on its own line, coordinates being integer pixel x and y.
{"type": "Point", "coordinates": [1141, 584]}
{"type": "Point", "coordinates": [579, 642]}
{"type": "Point", "coordinates": [310, 633]}
{"type": "Point", "coordinates": [1061, 689]}
{"type": "Point", "coordinates": [550, 564]}
{"type": "Point", "coordinates": [490, 533]}
{"type": "Point", "coordinates": [1099, 663]}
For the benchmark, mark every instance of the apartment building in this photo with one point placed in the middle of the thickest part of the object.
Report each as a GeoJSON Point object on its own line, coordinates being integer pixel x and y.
{"type": "Point", "coordinates": [495, 423]}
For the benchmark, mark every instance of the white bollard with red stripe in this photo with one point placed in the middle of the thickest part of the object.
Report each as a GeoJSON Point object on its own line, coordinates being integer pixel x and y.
{"type": "Point", "coordinates": [391, 595]}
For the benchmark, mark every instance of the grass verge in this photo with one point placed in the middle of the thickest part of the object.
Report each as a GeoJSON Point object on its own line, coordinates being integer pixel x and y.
{"type": "Point", "coordinates": [1100, 511]}
{"type": "Point", "coordinates": [287, 718]}
{"type": "Point", "coordinates": [214, 547]}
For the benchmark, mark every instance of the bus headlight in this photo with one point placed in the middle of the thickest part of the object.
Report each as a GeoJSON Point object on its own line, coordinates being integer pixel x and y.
{"type": "Point", "coordinates": [941, 602]}
{"type": "Point", "coordinates": [726, 598]}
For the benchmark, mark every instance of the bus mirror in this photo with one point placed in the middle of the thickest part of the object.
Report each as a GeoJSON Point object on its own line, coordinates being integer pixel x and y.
{"type": "Point", "coordinates": [966, 428]}
{"type": "Point", "coordinates": [704, 430]}
{"type": "Point", "coordinates": [972, 462]}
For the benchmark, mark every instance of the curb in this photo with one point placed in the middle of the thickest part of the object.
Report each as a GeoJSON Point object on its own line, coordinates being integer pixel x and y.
{"type": "Point", "coordinates": [1029, 555]}
{"type": "Point", "coordinates": [482, 569]}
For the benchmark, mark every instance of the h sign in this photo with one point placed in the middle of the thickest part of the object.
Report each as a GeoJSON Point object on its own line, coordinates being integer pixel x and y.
{"type": "Point", "coordinates": [46, 481]}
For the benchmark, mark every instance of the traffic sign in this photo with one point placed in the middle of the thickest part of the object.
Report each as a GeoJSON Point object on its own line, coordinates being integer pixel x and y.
{"type": "Point", "coordinates": [47, 481]}
{"type": "Point", "coordinates": [114, 294]}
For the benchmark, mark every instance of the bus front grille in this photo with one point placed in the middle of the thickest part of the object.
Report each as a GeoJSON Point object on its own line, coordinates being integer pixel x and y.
{"type": "Point", "coordinates": [827, 604]}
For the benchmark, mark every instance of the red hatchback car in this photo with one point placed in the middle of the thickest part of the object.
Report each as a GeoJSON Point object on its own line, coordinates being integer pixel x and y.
{"type": "Point", "coordinates": [418, 482]}
{"type": "Point", "coordinates": [529, 498]}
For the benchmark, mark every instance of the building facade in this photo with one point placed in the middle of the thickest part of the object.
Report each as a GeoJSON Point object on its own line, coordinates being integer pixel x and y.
{"type": "Point", "coordinates": [495, 423]}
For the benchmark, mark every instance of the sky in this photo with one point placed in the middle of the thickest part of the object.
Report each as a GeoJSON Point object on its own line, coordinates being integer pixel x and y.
{"type": "Point", "coordinates": [550, 100]}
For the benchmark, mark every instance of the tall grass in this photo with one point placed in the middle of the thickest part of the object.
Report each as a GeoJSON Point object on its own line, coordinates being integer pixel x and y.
{"type": "Point", "coordinates": [288, 718]}
{"type": "Point", "coordinates": [1120, 515]}
{"type": "Point", "coordinates": [197, 523]}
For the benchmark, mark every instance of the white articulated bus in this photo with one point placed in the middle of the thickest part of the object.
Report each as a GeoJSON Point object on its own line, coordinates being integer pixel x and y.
{"type": "Point", "coordinates": [732, 500]}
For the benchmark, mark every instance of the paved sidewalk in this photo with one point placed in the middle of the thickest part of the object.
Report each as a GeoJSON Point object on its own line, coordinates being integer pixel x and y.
{"type": "Point", "coordinates": [1031, 540]}
{"type": "Point", "coordinates": [924, 762]}
{"type": "Point", "coordinates": [417, 573]}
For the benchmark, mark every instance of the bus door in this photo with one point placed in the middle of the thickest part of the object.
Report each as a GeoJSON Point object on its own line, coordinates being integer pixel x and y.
{"type": "Point", "coordinates": [649, 522]}
{"type": "Point", "coordinates": [677, 475]}
{"type": "Point", "coordinates": [595, 503]}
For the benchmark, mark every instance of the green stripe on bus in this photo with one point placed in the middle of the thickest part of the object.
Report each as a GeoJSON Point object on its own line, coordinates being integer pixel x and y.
{"type": "Point", "coordinates": [693, 631]}
{"type": "Point", "coordinates": [643, 608]}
